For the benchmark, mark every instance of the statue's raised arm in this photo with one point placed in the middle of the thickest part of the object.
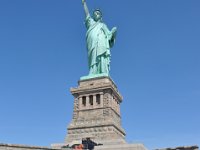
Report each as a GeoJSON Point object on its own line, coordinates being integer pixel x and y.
{"type": "Point", "coordinates": [85, 8]}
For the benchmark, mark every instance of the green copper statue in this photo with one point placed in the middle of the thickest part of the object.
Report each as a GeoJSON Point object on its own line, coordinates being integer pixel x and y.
{"type": "Point", "coordinates": [99, 41]}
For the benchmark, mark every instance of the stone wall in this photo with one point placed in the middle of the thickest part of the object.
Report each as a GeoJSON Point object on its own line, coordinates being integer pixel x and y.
{"type": "Point", "coordinates": [121, 147]}
{"type": "Point", "coordinates": [195, 147]}
{"type": "Point", "coordinates": [23, 147]}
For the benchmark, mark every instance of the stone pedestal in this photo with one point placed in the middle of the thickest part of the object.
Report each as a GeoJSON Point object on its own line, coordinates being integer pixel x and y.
{"type": "Point", "coordinates": [97, 115]}
{"type": "Point", "coordinates": [96, 112]}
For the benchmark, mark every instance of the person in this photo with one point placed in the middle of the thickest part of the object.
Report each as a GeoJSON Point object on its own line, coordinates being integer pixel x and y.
{"type": "Point", "coordinates": [99, 41]}
{"type": "Point", "coordinates": [79, 147]}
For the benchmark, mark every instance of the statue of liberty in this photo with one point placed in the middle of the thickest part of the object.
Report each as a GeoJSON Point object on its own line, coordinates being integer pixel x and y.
{"type": "Point", "coordinates": [99, 41]}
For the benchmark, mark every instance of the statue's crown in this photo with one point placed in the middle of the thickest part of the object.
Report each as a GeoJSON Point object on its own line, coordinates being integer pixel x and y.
{"type": "Point", "coordinates": [97, 9]}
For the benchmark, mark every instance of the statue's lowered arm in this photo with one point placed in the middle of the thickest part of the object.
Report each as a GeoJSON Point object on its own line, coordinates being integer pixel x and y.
{"type": "Point", "coordinates": [85, 8]}
{"type": "Point", "coordinates": [111, 35]}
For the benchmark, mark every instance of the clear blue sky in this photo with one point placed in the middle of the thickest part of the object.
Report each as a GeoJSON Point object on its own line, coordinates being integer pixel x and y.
{"type": "Point", "coordinates": [155, 64]}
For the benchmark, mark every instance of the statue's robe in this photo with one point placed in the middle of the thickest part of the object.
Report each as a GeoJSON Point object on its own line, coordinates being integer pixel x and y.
{"type": "Point", "coordinates": [99, 41]}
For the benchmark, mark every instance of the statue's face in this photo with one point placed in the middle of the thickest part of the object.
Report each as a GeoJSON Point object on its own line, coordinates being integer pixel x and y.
{"type": "Point", "coordinates": [97, 15]}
